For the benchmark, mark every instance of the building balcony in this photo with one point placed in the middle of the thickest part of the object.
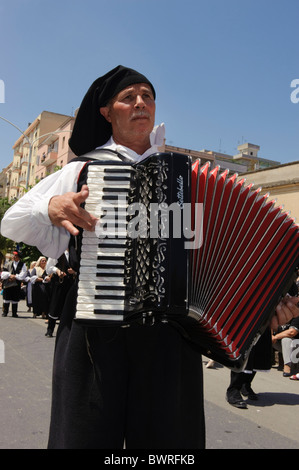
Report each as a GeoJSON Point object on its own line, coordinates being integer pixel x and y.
{"type": "Point", "coordinates": [22, 180]}
{"type": "Point", "coordinates": [48, 159]}
{"type": "Point", "coordinates": [24, 161]}
{"type": "Point", "coordinates": [18, 152]}
{"type": "Point", "coordinates": [16, 168]}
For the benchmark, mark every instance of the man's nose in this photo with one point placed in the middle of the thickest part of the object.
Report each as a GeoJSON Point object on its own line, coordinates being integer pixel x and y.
{"type": "Point", "coordinates": [139, 103]}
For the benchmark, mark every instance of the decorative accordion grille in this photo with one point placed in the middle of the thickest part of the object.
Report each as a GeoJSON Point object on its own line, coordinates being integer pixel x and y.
{"type": "Point", "coordinates": [145, 270]}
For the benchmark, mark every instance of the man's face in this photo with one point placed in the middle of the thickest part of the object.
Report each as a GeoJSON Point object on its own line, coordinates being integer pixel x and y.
{"type": "Point", "coordinates": [131, 113]}
{"type": "Point", "coordinates": [16, 257]}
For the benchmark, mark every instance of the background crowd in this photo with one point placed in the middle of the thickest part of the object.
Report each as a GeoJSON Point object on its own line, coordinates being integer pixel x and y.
{"type": "Point", "coordinates": [44, 285]}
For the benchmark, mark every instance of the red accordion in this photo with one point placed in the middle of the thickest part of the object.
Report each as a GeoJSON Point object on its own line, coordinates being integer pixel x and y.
{"type": "Point", "coordinates": [220, 292]}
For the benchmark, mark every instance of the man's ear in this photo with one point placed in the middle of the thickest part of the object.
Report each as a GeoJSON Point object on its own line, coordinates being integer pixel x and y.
{"type": "Point", "coordinates": [105, 112]}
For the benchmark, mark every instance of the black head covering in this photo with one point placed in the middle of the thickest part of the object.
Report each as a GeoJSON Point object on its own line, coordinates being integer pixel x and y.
{"type": "Point", "coordinates": [91, 129]}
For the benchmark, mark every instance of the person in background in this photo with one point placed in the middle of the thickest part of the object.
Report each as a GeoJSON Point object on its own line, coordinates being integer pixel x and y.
{"type": "Point", "coordinates": [40, 288]}
{"type": "Point", "coordinates": [12, 276]}
{"type": "Point", "coordinates": [29, 286]}
{"type": "Point", "coordinates": [62, 278]}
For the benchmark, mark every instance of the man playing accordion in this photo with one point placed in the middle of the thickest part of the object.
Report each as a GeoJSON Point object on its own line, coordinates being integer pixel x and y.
{"type": "Point", "coordinates": [142, 383]}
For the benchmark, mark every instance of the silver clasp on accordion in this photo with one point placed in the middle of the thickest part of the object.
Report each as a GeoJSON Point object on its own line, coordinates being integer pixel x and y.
{"type": "Point", "coordinates": [148, 318]}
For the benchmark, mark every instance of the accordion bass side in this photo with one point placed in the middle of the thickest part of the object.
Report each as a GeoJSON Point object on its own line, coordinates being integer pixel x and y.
{"type": "Point", "coordinates": [205, 252]}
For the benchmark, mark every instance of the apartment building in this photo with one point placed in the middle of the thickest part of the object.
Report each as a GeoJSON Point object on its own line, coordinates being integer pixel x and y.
{"type": "Point", "coordinates": [21, 174]}
{"type": "Point", "coordinates": [54, 152]}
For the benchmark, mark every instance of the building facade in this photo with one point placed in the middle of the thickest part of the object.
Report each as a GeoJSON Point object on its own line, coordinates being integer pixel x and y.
{"type": "Point", "coordinates": [54, 152]}
{"type": "Point", "coordinates": [21, 174]}
{"type": "Point", "coordinates": [282, 184]}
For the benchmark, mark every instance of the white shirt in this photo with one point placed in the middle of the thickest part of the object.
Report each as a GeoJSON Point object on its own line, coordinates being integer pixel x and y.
{"type": "Point", "coordinates": [20, 277]}
{"type": "Point", "coordinates": [28, 221]}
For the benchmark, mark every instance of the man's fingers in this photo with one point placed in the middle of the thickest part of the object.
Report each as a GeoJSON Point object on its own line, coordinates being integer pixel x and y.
{"type": "Point", "coordinates": [83, 219]}
{"type": "Point", "coordinates": [284, 312]}
{"type": "Point", "coordinates": [80, 197]}
{"type": "Point", "coordinates": [66, 211]}
{"type": "Point", "coordinates": [70, 227]}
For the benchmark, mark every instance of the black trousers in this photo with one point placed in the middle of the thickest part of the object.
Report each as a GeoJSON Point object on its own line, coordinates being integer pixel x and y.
{"type": "Point", "coordinates": [238, 379]}
{"type": "Point", "coordinates": [140, 385]}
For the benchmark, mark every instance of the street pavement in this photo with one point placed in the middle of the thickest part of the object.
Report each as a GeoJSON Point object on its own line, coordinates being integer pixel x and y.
{"type": "Point", "coordinates": [25, 396]}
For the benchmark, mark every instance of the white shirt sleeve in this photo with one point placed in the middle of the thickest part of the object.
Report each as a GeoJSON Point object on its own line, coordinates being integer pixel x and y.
{"type": "Point", "coordinates": [5, 275]}
{"type": "Point", "coordinates": [21, 276]}
{"type": "Point", "coordinates": [28, 221]}
{"type": "Point", "coordinates": [51, 266]}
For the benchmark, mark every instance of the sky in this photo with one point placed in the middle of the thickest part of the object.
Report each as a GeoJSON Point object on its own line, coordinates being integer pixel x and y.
{"type": "Point", "coordinates": [223, 70]}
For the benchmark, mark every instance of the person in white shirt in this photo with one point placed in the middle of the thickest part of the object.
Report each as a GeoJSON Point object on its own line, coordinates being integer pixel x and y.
{"type": "Point", "coordinates": [139, 385]}
{"type": "Point", "coordinates": [12, 276]}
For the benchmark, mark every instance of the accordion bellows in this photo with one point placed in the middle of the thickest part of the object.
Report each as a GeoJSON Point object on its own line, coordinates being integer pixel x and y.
{"type": "Point", "coordinates": [249, 253]}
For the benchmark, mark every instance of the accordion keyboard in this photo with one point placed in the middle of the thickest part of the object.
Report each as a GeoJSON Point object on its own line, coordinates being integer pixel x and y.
{"type": "Point", "coordinates": [101, 288]}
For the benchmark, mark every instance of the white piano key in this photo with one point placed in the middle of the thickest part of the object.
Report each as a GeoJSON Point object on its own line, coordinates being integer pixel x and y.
{"type": "Point", "coordinates": [93, 236]}
{"type": "Point", "coordinates": [90, 255]}
{"type": "Point", "coordinates": [95, 241]}
{"type": "Point", "coordinates": [98, 303]}
{"type": "Point", "coordinates": [102, 181]}
{"type": "Point", "coordinates": [105, 241]}
{"type": "Point", "coordinates": [85, 291]}
{"type": "Point", "coordinates": [91, 316]}
{"type": "Point", "coordinates": [98, 262]}
{"type": "Point", "coordinates": [103, 280]}
{"type": "Point", "coordinates": [95, 270]}
{"type": "Point", "coordinates": [89, 307]}
{"type": "Point", "coordinates": [110, 183]}
{"type": "Point", "coordinates": [102, 250]}
{"type": "Point", "coordinates": [92, 170]}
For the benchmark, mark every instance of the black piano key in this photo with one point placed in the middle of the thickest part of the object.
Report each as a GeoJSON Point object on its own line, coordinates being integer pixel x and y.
{"type": "Point", "coordinates": [112, 245]}
{"type": "Point", "coordinates": [110, 266]}
{"type": "Point", "coordinates": [120, 275]}
{"type": "Point", "coordinates": [117, 178]}
{"type": "Point", "coordinates": [98, 311]}
{"type": "Point", "coordinates": [110, 297]}
{"type": "Point", "coordinates": [114, 190]}
{"type": "Point", "coordinates": [111, 198]}
{"type": "Point", "coordinates": [110, 257]}
{"type": "Point", "coordinates": [118, 170]}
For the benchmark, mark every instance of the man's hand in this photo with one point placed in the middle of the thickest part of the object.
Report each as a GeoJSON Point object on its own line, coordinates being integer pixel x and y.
{"type": "Point", "coordinates": [285, 311]}
{"type": "Point", "coordinates": [65, 211]}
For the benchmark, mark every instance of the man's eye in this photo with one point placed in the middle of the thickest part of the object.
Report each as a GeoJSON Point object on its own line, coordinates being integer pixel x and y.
{"type": "Point", "coordinates": [148, 96]}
